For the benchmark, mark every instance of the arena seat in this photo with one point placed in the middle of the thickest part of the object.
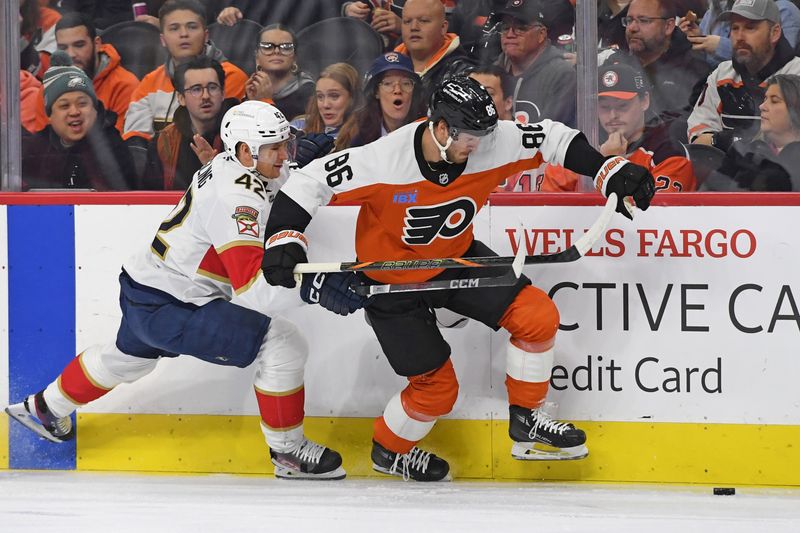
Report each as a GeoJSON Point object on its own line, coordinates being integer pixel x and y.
{"type": "Point", "coordinates": [138, 44]}
{"type": "Point", "coordinates": [238, 42]}
{"type": "Point", "coordinates": [341, 39]}
{"type": "Point", "coordinates": [705, 159]}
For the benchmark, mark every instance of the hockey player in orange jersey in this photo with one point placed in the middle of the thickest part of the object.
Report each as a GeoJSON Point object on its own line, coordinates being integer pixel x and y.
{"type": "Point", "coordinates": [198, 290]}
{"type": "Point", "coordinates": [419, 190]}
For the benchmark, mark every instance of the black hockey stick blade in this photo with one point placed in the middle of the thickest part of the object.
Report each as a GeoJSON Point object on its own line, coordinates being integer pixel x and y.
{"type": "Point", "coordinates": [573, 253]}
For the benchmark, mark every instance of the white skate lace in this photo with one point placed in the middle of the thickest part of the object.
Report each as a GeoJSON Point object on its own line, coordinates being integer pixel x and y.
{"type": "Point", "coordinates": [57, 426]}
{"type": "Point", "coordinates": [309, 451]}
{"type": "Point", "coordinates": [543, 420]}
{"type": "Point", "coordinates": [63, 425]}
{"type": "Point", "coordinates": [415, 458]}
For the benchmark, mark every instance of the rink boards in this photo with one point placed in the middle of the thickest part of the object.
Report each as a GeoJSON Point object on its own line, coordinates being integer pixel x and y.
{"type": "Point", "coordinates": [679, 351]}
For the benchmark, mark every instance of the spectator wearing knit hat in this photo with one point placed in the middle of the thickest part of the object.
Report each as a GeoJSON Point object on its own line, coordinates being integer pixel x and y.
{"type": "Point", "coordinates": [80, 148]}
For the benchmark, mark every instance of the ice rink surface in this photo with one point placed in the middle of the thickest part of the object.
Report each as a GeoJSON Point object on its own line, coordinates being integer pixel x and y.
{"type": "Point", "coordinates": [103, 502]}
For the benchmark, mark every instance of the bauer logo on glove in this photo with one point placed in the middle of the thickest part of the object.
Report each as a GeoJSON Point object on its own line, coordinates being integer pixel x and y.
{"type": "Point", "coordinates": [618, 175]}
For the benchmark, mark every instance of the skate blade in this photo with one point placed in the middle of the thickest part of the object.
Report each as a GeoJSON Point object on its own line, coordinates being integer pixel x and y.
{"type": "Point", "coordinates": [284, 472]}
{"type": "Point", "coordinates": [395, 473]}
{"type": "Point", "coordinates": [535, 451]}
{"type": "Point", "coordinates": [20, 414]}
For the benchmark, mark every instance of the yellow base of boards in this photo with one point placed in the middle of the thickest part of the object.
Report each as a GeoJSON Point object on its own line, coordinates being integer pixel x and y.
{"type": "Point", "coordinates": [3, 441]}
{"type": "Point", "coordinates": [726, 454]}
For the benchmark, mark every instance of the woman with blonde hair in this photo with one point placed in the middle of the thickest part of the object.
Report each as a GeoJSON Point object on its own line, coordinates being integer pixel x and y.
{"type": "Point", "coordinates": [332, 109]}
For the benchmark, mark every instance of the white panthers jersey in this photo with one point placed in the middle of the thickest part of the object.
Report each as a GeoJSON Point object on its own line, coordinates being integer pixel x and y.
{"type": "Point", "coordinates": [211, 244]}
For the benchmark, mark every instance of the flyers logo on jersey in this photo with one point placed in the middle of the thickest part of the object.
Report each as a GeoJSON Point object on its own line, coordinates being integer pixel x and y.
{"type": "Point", "coordinates": [447, 220]}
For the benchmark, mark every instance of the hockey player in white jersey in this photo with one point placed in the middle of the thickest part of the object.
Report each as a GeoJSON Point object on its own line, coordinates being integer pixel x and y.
{"type": "Point", "coordinates": [198, 290]}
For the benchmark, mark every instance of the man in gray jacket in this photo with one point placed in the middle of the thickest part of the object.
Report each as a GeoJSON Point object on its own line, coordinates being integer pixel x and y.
{"type": "Point", "coordinates": [545, 84]}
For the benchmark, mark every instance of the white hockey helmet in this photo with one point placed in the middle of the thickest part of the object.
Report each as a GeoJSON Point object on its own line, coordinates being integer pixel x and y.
{"type": "Point", "coordinates": [255, 124]}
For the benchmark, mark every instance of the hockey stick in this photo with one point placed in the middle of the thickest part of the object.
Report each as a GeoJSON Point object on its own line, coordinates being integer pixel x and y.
{"type": "Point", "coordinates": [507, 279]}
{"type": "Point", "coordinates": [573, 253]}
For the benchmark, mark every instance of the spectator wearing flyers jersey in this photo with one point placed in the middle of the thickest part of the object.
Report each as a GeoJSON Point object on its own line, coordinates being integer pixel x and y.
{"type": "Point", "coordinates": [622, 110]}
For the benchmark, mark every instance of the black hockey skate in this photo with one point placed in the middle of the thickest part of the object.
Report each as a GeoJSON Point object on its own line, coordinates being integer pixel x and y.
{"type": "Point", "coordinates": [416, 464]}
{"type": "Point", "coordinates": [537, 437]}
{"type": "Point", "coordinates": [308, 460]}
{"type": "Point", "coordinates": [33, 413]}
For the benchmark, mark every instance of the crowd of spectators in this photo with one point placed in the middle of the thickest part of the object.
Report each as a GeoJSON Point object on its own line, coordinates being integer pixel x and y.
{"type": "Point", "coordinates": [674, 75]}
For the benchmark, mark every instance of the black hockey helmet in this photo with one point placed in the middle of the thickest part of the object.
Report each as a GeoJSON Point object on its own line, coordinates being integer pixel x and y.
{"type": "Point", "coordinates": [465, 105]}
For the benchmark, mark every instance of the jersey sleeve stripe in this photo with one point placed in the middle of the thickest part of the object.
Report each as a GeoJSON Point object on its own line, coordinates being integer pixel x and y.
{"type": "Point", "coordinates": [233, 244]}
{"type": "Point", "coordinates": [215, 277]}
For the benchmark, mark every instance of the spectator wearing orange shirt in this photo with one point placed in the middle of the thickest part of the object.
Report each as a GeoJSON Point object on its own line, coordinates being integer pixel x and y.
{"type": "Point", "coordinates": [185, 36]}
{"type": "Point", "coordinates": [113, 83]}
{"type": "Point", "coordinates": [31, 109]}
{"type": "Point", "coordinates": [436, 53]}
{"type": "Point", "coordinates": [623, 102]}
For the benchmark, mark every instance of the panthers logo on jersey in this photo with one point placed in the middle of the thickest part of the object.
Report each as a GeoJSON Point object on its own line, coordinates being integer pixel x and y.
{"type": "Point", "coordinates": [446, 220]}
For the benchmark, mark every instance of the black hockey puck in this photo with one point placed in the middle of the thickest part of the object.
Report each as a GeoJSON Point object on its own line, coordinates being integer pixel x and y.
{"type": "Point", "coordinates": [724, 491]}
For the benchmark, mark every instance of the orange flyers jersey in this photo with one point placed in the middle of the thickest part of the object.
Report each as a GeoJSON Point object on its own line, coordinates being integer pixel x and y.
{"type": "Point", "coordinates": [668, 164]}
{"type": "Point", "coordinates": [411, 209]}
{"type": "Point", "coordinates": [210, 246]}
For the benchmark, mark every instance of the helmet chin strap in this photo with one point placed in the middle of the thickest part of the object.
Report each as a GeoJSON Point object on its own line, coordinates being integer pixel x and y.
{"type": "Point", "coordinates": [253, 156]}
{"type": "Point", "coordinates": [442, 149]}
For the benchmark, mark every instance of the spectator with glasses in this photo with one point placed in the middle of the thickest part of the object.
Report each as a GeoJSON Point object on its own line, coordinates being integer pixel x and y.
{"type": "Point", "coordinates": [278, 78]}
{"type": "Point", "coordinates": [545, 84]}
{"type": "Point", "coordinates": [332, 110]}
{"type": "Point", "coordinates": [393, 98]}
{"type": "Point", "coordinates": [178, 151]}
{"type": "Point", "coordinates": [674, 72]}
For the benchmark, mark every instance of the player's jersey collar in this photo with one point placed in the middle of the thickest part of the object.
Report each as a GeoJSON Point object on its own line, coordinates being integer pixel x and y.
{"type": "Point", "coordinates": [440, 173]}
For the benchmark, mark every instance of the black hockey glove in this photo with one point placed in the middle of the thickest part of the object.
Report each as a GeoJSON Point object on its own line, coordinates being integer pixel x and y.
{"type": "Point", "coordinates": [626, 179]}
{"type": "Point", "coordinates": [724, 139]}
{"type": "Point", "coordinates": [282, 252]}
{"type": "Point", "coordinates": [311, 147]}
{"type": "Point", "coordinates": [332, 291]}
